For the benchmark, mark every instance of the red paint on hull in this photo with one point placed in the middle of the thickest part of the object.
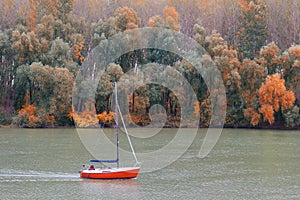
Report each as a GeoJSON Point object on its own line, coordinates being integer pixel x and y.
{"type": "Point", "coordinates": [110, 174]}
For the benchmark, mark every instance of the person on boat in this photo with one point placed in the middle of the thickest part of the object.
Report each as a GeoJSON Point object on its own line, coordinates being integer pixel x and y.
{"type": "Point", "coordinates": [92, 167]}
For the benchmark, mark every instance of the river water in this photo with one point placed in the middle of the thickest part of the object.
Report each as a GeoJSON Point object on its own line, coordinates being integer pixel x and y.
{"type": "Point", "coordinates": [245, 164]}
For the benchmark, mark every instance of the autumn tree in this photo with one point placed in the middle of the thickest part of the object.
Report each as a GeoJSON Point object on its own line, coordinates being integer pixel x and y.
{"type": "Point", "coordinates": [253, 32]}
{"type": "Point", "coordinates": [28, 116]}
{"type": "Point", "coordinates": [26, 46]}
{"type": "Point", "coordinates": [49, 90]}
{"type": "Point", "coordinates": [77, 48]}
{"type": "Point", "coordinates": [226, 60]}
{"type": "Point", "coordinates": [230, 67]}
{"type": "Point", "coordinates": [186, 19]}
{"type": "Point", "coordinates": [274, 98]}
{"type": "Point", "coordinates": [140, 108]}
{"type": "Point", "coordinates": [252, 76]}
{"type": "Point", "coordinates": [112, 73]}
{"type": "Point", "coordinates": [199, 33]}
{"type": "Point", "coordinates": [46, 33]}
{"type": "Point", "coordinates": [39, 8]}
{"type": "Point", "coordinates": [62, 8]}
{"type": "Point", "coordinates": [275, 103]}
{"type": "Point", "coordinates": [170, 19]}
{"type": "Point", "coordinates": [61, 100]}
{"type": "Point", "coordinates": [106, 118]}
{"type": "Point", "coordinates": [120, 18]}
{"type": "Point", "coordinates": [85, 118]}
{"type": "Point", "coordinates": [270, 58]}
{"type": "Point", "coordinates": [197, 108]}
{"type": "Point", "coordinates": [291, 68]}
{"type": "Point", "coordinates": [215, 44]}
{"type": "Point", "coordinates": [125, 18]}
{"type": "Point", "coordinates": [59, 53]}
{"type": "Point", "coordinates": [291, 74]}
{"type": "Point", "coordinates": [52, 20]}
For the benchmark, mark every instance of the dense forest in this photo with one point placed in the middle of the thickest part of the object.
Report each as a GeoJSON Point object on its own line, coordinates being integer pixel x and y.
{"type": "Point", "coordinates": [255, 45]}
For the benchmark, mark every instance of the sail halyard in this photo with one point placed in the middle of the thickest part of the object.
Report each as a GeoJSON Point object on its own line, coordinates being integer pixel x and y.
{"type": "Point", "coordinates": [129, 141]}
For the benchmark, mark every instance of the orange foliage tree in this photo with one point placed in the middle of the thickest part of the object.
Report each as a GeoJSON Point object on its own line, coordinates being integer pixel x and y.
{"type": "Point", "coordinates": [89, 118]}
{"type": "Point", "coordinates": [253, 115]}
{"type": "Point", "coordinates": [31, 18]}
{"type": "Point", "coordinates": [170, 19]}
{"type": "Point", "coordinates": [106, 118]}
{"type": "Point", "coordinates": [273, 97]}
{"type": "Point", "coordinates": [86, 118]}
{"type": "Point", "coordinates": [28, 115]}
{"type": "Point", "coordinates": [126, 18]}
{"type": "Point", "coordinates": [77, 48]}
{"type": "Point", "coordinates": [197, 108]}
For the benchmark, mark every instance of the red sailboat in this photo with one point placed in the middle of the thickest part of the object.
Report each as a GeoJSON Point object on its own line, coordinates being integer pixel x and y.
{"type": "Point", "coordinates": [115, 172]}
{"type": "Point", "coordinates": [111, 173]}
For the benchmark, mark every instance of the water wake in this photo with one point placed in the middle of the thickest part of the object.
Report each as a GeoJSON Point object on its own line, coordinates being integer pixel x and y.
{"type": "Point", "coordinates": [10, 175]}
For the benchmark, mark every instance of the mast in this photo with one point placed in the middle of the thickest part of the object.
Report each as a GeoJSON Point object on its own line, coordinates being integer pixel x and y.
{"type": "Point", "coordinates": [118, 111]}
{"type": "Point", "coordinates": [117, 123]}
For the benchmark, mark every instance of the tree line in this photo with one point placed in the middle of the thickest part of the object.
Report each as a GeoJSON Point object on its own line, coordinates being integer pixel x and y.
{"type": "Point", "coordinates": [44, 43]}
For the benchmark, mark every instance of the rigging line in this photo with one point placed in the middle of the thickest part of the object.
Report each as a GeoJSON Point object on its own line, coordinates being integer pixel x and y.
{"type": "Point", "coordinates": [130, 144]}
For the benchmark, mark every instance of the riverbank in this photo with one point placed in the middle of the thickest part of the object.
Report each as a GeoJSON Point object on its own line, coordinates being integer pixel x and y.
{"type": "Point", "coordinates": [267, 127]}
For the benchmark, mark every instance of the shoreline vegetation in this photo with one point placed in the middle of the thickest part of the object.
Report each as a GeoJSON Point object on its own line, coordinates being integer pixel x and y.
{"type": "Point", "coordinates": [249, 128]}
{"type": "Point", "coordinates": [255, 44]}
{"type": "Point", "coordinates": [272, 127]}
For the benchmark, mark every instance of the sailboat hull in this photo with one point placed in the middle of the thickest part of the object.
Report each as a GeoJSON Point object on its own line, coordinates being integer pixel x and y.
{"type": "Point", "coordinates": [111, 173]}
